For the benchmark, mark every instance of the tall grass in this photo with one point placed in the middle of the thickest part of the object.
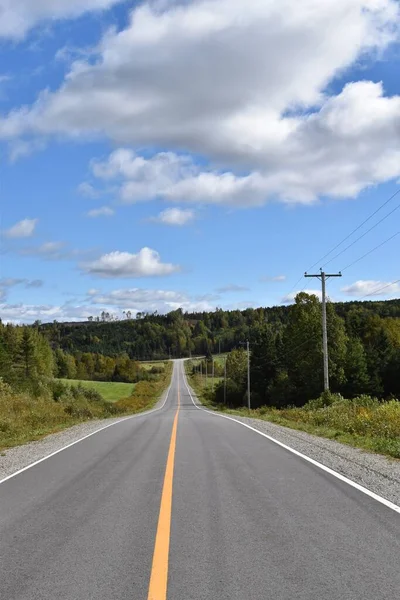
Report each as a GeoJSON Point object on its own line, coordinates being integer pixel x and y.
{"type": "Point", "coordinates": [25, 417]}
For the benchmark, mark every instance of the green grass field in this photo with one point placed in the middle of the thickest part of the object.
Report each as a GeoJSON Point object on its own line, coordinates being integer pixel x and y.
{"type": "Point", "coordinates": [111, 391]}
{"type": "Point", "coordinates": [147, 365]}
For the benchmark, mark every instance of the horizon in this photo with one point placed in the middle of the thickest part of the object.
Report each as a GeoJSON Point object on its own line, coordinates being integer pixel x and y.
{"type": "Point", "coordinates": [194, 155]}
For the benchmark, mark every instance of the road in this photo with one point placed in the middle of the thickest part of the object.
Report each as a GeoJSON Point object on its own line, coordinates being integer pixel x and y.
{"type": "Point", "coordinates": [183, 504]}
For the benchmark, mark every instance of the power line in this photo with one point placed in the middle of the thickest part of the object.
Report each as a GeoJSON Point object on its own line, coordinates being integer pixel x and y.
{"type": "Point", "coordinates": [363, 235]}
{"type": "Point", "coordinates": [354, 230]}
{"type": "Point", "coordinates": [380, 289]}
{"type": "Point", "coordinates": [371, 251]}
{"type": "Point", "coordinates": [297, 282]}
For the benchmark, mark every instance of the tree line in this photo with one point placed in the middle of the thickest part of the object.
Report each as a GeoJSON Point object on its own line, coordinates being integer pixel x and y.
{"type": "Point", "coordinates": [286, 348]}
{"type": "Point", "coordinates": [286, 361]}
{"type": "Point", "coordinates": [28, 362]}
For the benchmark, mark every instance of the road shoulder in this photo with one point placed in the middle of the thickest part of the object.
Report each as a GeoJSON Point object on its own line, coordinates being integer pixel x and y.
{"type": "Point", "coordinates": [377, 473]}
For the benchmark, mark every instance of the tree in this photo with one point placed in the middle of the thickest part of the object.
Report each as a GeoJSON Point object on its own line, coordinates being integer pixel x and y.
{"type": "Point", "coordinates": [264, 364]}
{"type": "Point", "coordinates": [27, 354]}
{"type": "Point", "coordinates": [356, 369]}
{"type": "Point", "coordinates": [236, 366]}
{"type": "Point", "coordinates": [303, 349]}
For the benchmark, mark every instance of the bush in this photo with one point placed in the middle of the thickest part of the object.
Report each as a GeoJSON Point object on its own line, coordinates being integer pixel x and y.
{"type": "Point", "coordinates": [234, 394]}
{"type": "Point", "coordinates": [325, 399]}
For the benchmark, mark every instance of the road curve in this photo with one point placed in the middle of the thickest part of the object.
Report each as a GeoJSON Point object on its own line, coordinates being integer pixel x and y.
{"type": "Point", "coordinates": [182, 504]}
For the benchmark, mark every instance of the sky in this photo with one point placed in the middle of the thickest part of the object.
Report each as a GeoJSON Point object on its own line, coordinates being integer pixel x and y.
{"type": "Point", "coordinates": [196, 154]}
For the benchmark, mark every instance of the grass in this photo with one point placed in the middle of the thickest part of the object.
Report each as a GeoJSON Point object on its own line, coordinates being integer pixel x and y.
{"type": "Point", "coordinates": [25, 417]}
{"type": "Point", "coordinates": [148, 365]}
{"type": "Point", "coordinates": [363, 422]}
{"type": "Point", "coordinates": [109, 390]}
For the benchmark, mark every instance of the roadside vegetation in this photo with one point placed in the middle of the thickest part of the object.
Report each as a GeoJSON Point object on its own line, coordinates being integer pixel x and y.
{"type": "Point", "coordinates": [34, 403]}
{"type": "Point", "coordinates": [286, 372]}
{"type": "Point", "coordinates": [364, 422]}
{"type": "Point", "coordinates": [109, 390]}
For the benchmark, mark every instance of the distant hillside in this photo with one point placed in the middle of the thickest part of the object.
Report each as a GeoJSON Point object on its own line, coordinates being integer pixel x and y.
{"type": "Point", "coordinates": [178, 334]}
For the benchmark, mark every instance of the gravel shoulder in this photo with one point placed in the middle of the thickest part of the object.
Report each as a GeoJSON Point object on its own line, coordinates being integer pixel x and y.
{"type": "Point", "coordinates": [375, 472]}
{"type": "Point", "coordinates": [19, 457]}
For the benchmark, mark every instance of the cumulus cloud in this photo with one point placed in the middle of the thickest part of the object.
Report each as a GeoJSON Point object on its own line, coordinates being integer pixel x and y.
{"type": "Point", "coordinates": [239, 82]}
{"type": "Point", "coordinates": [18, 17]}
{"type": "Point", "coordinates": [370, 287]}
{"type": "Point", "coordinates": [146, 263]}
{"type": "Point", "coordinates": [175, 217]}
{"type": "Point", "coordinates": [289, 298]}
{"type": "Point", "coordinates": [232, 287]}
{"type": "Point", "coordinates": [22, 229]}
{"type": "Point", "coordinates": [103, 211]}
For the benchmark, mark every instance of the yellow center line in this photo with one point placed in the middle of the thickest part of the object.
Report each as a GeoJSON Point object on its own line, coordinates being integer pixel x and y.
{"type": "Point", "coordinates": [159, 569]}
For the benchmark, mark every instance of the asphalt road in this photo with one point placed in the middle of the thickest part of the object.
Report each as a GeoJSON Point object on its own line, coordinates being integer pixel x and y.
{"type": "Point", "coordinates": [183, 504]}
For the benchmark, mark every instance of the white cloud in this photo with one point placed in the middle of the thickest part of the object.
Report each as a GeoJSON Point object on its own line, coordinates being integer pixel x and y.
{"type": "Point", "coordinates": [35, 283]}
{"type": "Point", "coordinates": [8, 282]}
{"type": "Point", "coordinates": [48, 250]}
{"type": "Point", "coordinates": [232, 287]}
{"type": "Point", "coordinates": [289, 298]}
{"type": "Point", "coordinates": [175, 216]}
{"type": "Point", "coordinates": [22, 148]}
{"type": "Point", "coordinates": [134, 299]}
{"type": "Point", "coordinates": [146, 300]}
{"type": "Point", "coordinates": [368, 287]}
{"type": "Point", "coordinates": [19, 16]}
{"type": "Point", "coordinates": [137, 296]}
{"type": "Point", "coordinates": [22, 229]}
{"type": "Point", "coordinates": [86, 189]}
{"type": "Point", "coordinates": [277, 278]}
{"type": "Point", "coordinates": [146, 263]}
{"type": "Point", "coordinates": [27, 313]}
{"type": "Point", "coordinates": [103, 211]}
{"type": "Point", "coordinates": [239, 82]}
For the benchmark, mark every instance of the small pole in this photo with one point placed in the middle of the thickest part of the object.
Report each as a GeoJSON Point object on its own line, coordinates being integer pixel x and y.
{"type": "Point", "coordinates": [248, 375]}
{"type": "Point", "coordinates": [206, 372]}
{"type": "Point", "coordinates": [212, 374]}
{"type": "Point", "coordinates": [225, 381]}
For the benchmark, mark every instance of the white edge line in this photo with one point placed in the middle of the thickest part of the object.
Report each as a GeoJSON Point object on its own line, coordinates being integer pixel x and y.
{"type": "Point", "coordinates": [144, 413]}
{"type": "Point", "coordinates": [358, 487]}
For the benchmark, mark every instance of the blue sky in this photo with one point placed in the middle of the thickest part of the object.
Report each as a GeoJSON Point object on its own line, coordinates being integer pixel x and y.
{"type": "Point", "coordinates": [197, 154]}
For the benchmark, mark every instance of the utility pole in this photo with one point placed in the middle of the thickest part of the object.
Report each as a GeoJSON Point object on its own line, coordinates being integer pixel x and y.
{"type": "Point", "coordinates": [212, 374]}
{"type": "Point", "coordinates": [225, 381]}
{"type": "Point", "coordinates": [248, 374]}
{"type": "Point", "coordinates": [323, 277]}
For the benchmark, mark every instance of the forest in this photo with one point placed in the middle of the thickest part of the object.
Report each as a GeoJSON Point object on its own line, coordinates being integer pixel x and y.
{"type": "Point", "coordinates": [285, 341]}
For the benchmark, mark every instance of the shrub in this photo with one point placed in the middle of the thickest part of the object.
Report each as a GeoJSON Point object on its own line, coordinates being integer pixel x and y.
{"type": "Point", "coordinates": [325, 399]}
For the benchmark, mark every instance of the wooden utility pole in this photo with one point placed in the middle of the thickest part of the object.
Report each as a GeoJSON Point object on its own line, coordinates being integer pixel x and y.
{"type": "Point", "coordinates": [323, 277]}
